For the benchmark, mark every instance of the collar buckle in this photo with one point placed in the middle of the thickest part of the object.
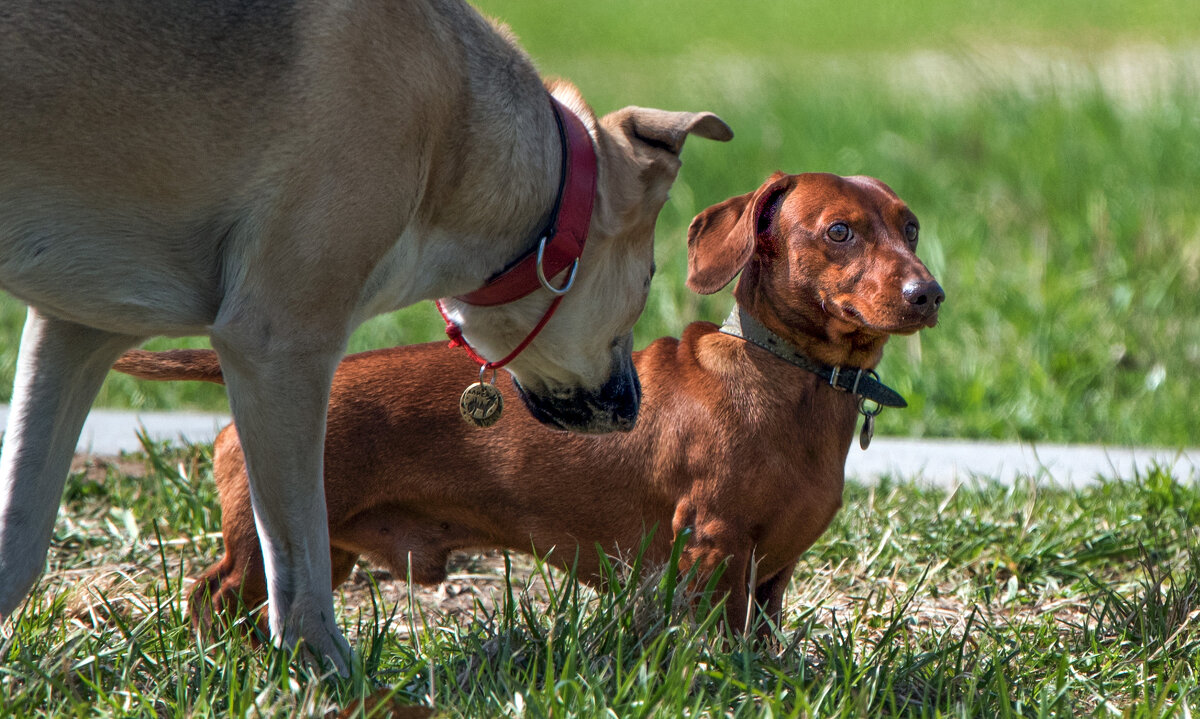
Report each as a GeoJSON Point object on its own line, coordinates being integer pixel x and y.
{"type": "Point", "coordinates": [835, 374]}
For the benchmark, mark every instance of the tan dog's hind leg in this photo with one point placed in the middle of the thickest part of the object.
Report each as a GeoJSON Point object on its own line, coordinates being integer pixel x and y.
{"type": "Point", "coordinates": [60, 367]}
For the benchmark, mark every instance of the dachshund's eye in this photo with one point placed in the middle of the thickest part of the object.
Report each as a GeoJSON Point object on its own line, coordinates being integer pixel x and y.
{"type": "Point", "coordinates": [839, 232]}
{"type": "Point", "coordinates": [910, 233]}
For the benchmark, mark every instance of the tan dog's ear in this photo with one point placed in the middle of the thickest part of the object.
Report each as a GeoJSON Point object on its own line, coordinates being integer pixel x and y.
{"type": "Point", "coordinates": [667, 130]}
{"type": "Point", "coordinates": [722, 238]}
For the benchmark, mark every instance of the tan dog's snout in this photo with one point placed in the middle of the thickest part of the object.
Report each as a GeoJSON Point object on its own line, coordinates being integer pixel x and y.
{"type": "Point", "coordinates": [613, 408]}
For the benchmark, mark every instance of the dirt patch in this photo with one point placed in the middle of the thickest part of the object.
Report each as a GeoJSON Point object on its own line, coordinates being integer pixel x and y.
{"type": "Point", "coordinates": [475, 587]}
{"type": "Point", "coordinates": [96, 467]}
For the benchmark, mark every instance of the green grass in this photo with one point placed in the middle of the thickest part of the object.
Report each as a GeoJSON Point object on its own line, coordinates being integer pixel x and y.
{"type": "Point", "coordinates": [553, 31]}
{"type": "Point", "coordinates": [1054, 173]}
{"type": "Point", "coordinates": [984, 600]}
{"type": "Point", "coordinates": [1057, 199]}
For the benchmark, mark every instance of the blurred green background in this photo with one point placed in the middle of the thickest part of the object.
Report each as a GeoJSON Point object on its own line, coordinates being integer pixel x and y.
{"type": "Point", "coordinates": [1051, 151]}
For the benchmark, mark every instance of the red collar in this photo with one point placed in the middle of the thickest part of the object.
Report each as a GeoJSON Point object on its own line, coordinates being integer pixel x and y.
{"type": "Point", "coordinates": [559, 243]}
{"type": "Point", "coordinates": [567, 228]}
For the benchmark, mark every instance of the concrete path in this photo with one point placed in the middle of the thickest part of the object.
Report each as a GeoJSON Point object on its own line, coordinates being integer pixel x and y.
{"type": "Point", "coordinates": [110, 432]}
{"type": "Point", "coordinates": [943, 461]}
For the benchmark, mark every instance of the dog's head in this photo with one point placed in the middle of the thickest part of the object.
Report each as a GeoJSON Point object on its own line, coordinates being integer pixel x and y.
{"type": "Point", "coordinates": [578, 373]}
{"type": "Point", "coordinates": [825, 255]}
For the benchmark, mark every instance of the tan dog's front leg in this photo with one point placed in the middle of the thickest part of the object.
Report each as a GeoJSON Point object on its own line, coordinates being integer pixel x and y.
{"type": "Point", "coordinates": [59, 370]}
{"type": "Point", "coordinates": [278, 392]}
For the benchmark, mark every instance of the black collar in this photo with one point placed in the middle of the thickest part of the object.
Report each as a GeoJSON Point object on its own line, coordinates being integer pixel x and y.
{"type": "Point", "coordinates": [856, 381]}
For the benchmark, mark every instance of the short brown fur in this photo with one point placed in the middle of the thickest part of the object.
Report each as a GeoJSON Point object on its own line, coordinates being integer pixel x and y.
{"type": "Point", "coordinates": [744, 449]}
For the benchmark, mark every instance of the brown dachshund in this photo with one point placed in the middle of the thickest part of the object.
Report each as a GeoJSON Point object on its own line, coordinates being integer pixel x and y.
{"type": "Point", "coordinates": [742, 438]}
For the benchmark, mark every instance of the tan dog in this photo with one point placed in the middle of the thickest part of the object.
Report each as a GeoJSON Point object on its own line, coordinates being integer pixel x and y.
{"type": "Point", "coordinates": [271, 174]}
{"type": "Point", "coordinates": [734, 442]}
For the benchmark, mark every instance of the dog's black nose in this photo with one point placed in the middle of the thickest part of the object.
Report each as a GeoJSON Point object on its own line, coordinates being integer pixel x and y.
{"type": "Point", "coordinates": [925, 294]}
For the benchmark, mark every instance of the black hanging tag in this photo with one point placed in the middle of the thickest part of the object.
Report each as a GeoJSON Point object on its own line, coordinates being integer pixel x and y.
{"type": "Point", "coordinates": [868, 431]}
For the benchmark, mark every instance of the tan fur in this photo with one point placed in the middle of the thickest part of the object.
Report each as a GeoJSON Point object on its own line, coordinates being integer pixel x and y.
{"type": "Point", "coordinates": [271, 174]}
{"type": "Point", "coordinates": [743, 449]}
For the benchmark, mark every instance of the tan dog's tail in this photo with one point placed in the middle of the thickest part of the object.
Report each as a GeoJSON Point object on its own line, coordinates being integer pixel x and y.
{"type": "Point", "coordinates": [173, 365]}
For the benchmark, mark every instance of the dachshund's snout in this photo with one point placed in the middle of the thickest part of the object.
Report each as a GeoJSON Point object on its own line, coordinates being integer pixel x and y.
{"type": "Point", "coordinates": [925, 295]}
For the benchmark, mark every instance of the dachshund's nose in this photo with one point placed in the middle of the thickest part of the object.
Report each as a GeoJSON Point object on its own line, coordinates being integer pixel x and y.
{"type": "Point", "coordinates": [926, 295]}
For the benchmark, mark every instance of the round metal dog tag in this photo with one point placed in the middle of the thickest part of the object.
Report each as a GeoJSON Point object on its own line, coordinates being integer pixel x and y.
{"type": "Point", "coordinates": [481, 404]}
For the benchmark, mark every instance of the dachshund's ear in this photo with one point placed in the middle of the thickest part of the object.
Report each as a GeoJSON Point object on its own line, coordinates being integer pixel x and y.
{"type": "Point", "coordinates": [722, 238]}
